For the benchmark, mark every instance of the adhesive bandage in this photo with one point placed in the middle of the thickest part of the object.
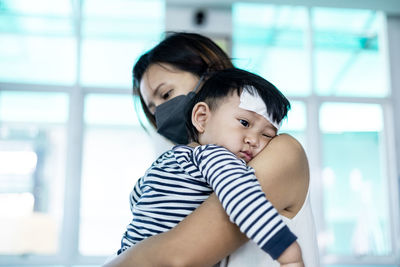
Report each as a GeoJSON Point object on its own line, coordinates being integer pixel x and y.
{"type": "Point", "coordinates": [256, 104]}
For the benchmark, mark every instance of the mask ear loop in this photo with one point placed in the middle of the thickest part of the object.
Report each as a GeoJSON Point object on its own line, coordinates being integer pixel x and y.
{"type": "Point", "coordinates": [197, 87]}
{"type": "Point", "coordinates": [193, 93]}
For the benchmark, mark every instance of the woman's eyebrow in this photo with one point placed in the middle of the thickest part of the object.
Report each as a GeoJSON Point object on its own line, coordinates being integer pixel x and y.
{"type": "Point", "coordinates": [157, 89]}
{"type": "Point", "coordinates": [155, 92]}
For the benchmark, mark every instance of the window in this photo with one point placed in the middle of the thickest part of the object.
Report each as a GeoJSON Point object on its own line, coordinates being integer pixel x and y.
{"type": "Point", "coordinates": [32, 171]}
{"type": "Point", "coordinates": [271, 41]}
{"type": "Point", "coordinates": [116, 152]}
{"type": "Point", "coordinates": [70, 140]}
{"type": "Point", "coordinates": [115, 149]}
{"type": "Point", "coordinates": [114, 35]}
{"type": "Point", "coordinates": [37, 43]}
{"type": "Point", "coordinates": [353, 175]}
{"type": "Point", "coordinates": [331, 64]}
{"type": "Point", "coordinates": [348, 45]}
{"type": "Point", "coordinates": [295, 123]}
{"type": "Point", "coordinates": [71, 146]}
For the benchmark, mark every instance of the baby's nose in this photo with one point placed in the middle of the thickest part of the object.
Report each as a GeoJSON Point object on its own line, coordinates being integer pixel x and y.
{"type": "Point", "coordinates": [252, 140]}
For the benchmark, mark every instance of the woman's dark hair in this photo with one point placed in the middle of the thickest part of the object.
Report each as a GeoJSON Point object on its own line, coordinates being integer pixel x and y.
{"type": "Point", "coordinates": [189, 52]}
{"type": "Point", "coordinates": [225, 82]}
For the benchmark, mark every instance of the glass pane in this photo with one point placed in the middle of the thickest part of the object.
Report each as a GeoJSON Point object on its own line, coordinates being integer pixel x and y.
{"type": "Point", "coordinates": [270, 40]}
{"type": "Point", "coordinates": [349, 58]}
{"type": "Point", "coordinates": [295, 123]}
{"type": "Point", "coordinates": [355, 180]}
{"type": "Point", "coordinates": [116, 152]}
{"type": "Point", "coordinates": [108, 63]}
{"type": "Point", "coordinates": [364, 265]}
{"type": "Point", "coordinates": [36, 42]}
{"type": "Point", "coordinates": [37, 7]}
{"type": "Point", "coordinates": [115, 34]}
{"type": "Point", "coordinates": [32, 171]}
{"type": "Point", "coordinates": [119, 110]}
{"type": "Point", "coordinates": [33, 107]}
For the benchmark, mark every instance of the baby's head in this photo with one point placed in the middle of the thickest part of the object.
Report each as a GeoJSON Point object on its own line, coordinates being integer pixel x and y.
{"type": "Point", "coordinates": [238, 110]}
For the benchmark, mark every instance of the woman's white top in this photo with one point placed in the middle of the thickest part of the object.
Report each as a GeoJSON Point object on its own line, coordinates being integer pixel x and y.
{"type": "Point", "coordinates": [302, 225]}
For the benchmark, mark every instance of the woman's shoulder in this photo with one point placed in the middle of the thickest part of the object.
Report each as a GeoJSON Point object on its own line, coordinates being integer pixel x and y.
{"type": "Point", "coordinates": [288, 143]}
{"type": "Point", "coordinates": [282, 169]}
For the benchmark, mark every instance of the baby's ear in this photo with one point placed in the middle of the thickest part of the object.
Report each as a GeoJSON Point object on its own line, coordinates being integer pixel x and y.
{"type": "Point", "coordinates": [200, 115]}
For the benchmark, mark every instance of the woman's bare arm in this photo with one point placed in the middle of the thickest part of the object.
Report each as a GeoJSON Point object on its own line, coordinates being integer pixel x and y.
{"type": "Point", "coordinates": [206, 236]}
{"type": "Point", "coordinates": [201, 239]}
{"type": "Point", "coordinates": [283, 172]}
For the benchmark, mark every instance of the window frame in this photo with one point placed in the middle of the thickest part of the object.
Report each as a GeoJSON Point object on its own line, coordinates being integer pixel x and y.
{"type": "Point", "coordinates": [69, 240]}
{"type": "Point", "coordinates": [391, 135]}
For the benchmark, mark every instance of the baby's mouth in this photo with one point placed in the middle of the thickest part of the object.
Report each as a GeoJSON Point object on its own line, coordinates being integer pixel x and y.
{"type": "Point", "coordinates": [246, 155]}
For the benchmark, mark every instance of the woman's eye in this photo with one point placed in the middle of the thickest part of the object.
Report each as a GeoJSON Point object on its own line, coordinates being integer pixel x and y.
{"type": "Point", "coordinates": [166, 95]}
{"type": "Point", "coordinates": [244, 123]}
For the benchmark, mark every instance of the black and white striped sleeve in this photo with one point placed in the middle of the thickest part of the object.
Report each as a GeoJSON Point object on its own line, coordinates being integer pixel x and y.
{"type": "Point", "coordinates": [243, 199]}
{"type": "Point", "coordinates": [136, 192]}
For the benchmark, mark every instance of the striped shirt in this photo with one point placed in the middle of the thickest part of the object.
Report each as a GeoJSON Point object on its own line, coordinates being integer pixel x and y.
{"type": "Point", "coordinates": [183, 177]}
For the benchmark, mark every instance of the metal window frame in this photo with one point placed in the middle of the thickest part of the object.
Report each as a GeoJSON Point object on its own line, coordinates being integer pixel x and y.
{"type": "Point", "coordinates": [390, 131]}
{"type": "Point", "coordinates": [69, 251]}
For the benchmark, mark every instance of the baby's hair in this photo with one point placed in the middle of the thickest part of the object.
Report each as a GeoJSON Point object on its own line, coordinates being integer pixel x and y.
{"type": "Point", "coordinates": [223, 83]}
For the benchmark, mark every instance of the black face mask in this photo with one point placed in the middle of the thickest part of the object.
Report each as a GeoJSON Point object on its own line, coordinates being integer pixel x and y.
{"type": "Point", "coordinates": [171, 116]}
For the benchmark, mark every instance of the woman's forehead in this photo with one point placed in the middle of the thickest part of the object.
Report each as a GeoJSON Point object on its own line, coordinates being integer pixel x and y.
{"type": "Point", "coordinates": [162, 75]}
{"type": "Point", "coordinates": [153, 77]}
{"type": "Point", "coordinates": [160, 69]}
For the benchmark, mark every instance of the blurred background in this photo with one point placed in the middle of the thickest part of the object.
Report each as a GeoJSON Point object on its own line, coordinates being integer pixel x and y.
{"type": "Point", "coordinates": [71, 146]}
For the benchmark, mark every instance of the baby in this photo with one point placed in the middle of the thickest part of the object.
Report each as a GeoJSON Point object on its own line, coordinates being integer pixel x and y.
{"type": "Point", "coordinates": [230, 120]}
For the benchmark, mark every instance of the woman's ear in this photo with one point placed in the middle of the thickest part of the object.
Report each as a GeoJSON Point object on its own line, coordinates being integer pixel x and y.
{"type": "Point", "coordinates": [200, 115]}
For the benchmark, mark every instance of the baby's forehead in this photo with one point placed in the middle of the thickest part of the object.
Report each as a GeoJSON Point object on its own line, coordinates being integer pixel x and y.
{"type": "Point", "coordinates": [252, 101]}
{"type": "Point", "coordinates": [250, 114]}
{"type": "Point", "coordinates": [256, 118]}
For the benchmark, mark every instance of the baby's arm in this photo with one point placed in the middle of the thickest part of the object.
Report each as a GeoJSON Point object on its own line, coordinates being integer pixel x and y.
{"type": "Point", "coordinates": [245, 203]}
{"type": "Point", "coordinates": [134, 197]}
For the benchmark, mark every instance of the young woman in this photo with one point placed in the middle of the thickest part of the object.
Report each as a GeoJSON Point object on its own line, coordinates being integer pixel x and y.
{"type": "Point", "coordinates": [163, 78]}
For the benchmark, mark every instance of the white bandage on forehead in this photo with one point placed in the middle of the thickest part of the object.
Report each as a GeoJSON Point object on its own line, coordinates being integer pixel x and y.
{"type": "Point", "coordinates": [256, 104]}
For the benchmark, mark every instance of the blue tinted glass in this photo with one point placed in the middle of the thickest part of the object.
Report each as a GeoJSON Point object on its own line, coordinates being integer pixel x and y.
{"type": "Point", "coordinates": [349, 58]}
{"type": "Point", "coordinates": [109, 62]}
{"type": "Point", "coordinates": [295, 123]}
{"type": "Point", "coordinates": [33, 107]}
{"type": "Point", "coordinates": [354, 177]}
{"type": "Point", "coordinates": [116, 152]}
{"type": "Point", "coordinates": [36, 43]}
{"type": "Point", "coordinates": [107, 109]}
{"type": "Point", "coordinates": [37, 59]}
{"type": "Point", "coordinates": [364, 265]}
{"type": "Point", "coordinates": [37, 7]}
{"type": "Point", "coordinates": [115, 34]}
{"type": "Point", "coordinates": [270, 40]}
{"type": "Point", "coordinates": [11, 24]}
{"type": "Point", "coordinates": [32, 171]}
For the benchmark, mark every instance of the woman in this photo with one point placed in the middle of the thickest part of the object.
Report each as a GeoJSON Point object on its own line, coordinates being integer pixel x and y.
{"type": "Point", "coordinates": [163, 78]}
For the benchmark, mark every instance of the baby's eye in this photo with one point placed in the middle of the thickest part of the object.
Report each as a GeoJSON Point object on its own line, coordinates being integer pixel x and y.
{"type": "Point", "coordinates": [268, 136]}
{"type": "Point", "coordinates": [244, 123]}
